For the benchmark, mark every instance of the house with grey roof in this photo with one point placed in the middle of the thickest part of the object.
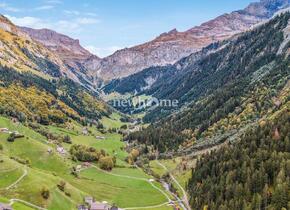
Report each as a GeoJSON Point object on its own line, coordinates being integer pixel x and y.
{"type": "Point", "coordinates": [5, 207]}
{"type": "Point", "coordinates": [82, 207]}
{"type": "Point", "coordinates": [99, 206]}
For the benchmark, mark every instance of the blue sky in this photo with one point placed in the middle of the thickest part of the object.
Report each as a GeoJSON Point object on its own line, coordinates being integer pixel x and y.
{"type": "Point", "coordinates": [104, 26]}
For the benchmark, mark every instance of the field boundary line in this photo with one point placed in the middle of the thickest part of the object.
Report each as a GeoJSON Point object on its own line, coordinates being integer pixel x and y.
{"type": "Point", "coordinates": [9, 170]}
{"type": "Point", "coordinates": [185, 198]}
{"type": "Point", "coordinates": [140, 179]}
{"type": "Point", "coordinates": [13, 200]}
{"type": "Point", "coordinates": [17, 181]}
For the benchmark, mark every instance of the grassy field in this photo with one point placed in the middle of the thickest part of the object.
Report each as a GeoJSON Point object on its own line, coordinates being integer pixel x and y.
{"type": "Point", "coordinates": [9, 177]}
{"type": "Point", "coordinates": [123, 191]}
{"type": "Point", "coordinates": [173, 166]}
{"type": "Point", "coordinates": [16, 206]}
{"type": "Point", "coordinates": [113, 121]}
{"type": "Point", "coordinates": [46, 170]}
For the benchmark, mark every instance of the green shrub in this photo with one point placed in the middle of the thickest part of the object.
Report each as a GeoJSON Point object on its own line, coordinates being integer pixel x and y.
{"type": "Point", "coordinates": [45, 193]}
{"type": "Point", "coordinates": [107, 163]}
{"type": "Point", "coordinates": [11, 137]}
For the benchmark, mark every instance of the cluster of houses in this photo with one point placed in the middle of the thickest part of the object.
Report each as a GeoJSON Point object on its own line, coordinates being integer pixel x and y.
{"type": "Point", "coordinates": [85, 132]}
{"type": "Point", "coordinates": [5, 207]}
{"type": "Point", "coordinates": [61, 150]}
{"type": "Point", "coordinates": [91, 204]}
{"type": "Point", "coordinates": [100, 138]}
{"type": "Point", "coordinates": [6, 130]}
{"type": "Point", "coordinates": [83, 166]}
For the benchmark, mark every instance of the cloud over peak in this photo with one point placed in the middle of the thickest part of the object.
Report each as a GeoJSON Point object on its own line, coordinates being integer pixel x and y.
{"type": "Point", "coordinates": [64, 26]}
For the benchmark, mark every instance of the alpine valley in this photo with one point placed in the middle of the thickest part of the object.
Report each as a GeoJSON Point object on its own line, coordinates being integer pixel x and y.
{"type": "Point", "coordinates": [66, 144]}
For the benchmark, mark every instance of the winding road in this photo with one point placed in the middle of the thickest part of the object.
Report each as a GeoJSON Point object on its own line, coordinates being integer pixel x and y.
{"type": "Point", "coordinates": [185, 197]}
{"type": "Point", "coordinates": [150, 181]}
{"type": "Point", "coordinates": [14, 200]}
{"type": "Point", "coordinates": [25, 203]}
{"type": "Point", "coordinates": [18, 180]}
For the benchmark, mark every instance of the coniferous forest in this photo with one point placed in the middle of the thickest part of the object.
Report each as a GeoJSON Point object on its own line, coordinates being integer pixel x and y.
{"type": "Point", "coordinates": [191, 120]}
{"type": "Point", "coordinates": [251, 174]}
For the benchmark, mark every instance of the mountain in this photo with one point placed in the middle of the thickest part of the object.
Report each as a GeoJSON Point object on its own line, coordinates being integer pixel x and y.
{"type": "Point", "coordinates": [36, 85]}
{"type": "Point", "coordinates": [67, 48]}
{"type": "Point", "coordinates": [264, 186]}
{"type": "Point", "coordinates": [166, 49]}
{"type": "Point", "coordinates": [150, 80]}
{"type": "Point", "coordinates": [69, 51]}
{"type": "Point", "coordinates": [172, 46]}
{"type": "Point", "coordinates": [222, 93]}
{"type": "Point", "coordinates": [24, 54]}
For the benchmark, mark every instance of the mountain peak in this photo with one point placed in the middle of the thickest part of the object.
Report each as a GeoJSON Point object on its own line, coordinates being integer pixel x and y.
{"type": "Point", "coordinates": [172, 32]}
{"type": "Point", "coordinates": [266, 8]}
{"type": "Point", "coordinates": [7, 25]}
{"type": "Point", "coordinates": [4, 19]}
{"type": "Point", "coordinates": [62, 44]}
{"type": "Point", "coordinates": [171, 46]}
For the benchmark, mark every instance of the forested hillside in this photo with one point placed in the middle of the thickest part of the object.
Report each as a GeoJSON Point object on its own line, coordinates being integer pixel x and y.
{"type": "Point", "coordinates": [150, 80]}
{"type": "Point", "coordinates": [139, 82]}
{"type": "Point", "coordinates": [241, 83]}
{"type": "Point", "coordinates": [253, 173]}
{"type": "Point", "coordinates": [28, 97]}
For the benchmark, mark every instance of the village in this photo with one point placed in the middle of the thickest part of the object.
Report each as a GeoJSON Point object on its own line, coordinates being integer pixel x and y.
{"type": "Point", "coordinates": [91, 204]}
{"type": "Point", "coordinates": [5, 207]}
{"type": "Point", "coordinates": [6, 130]}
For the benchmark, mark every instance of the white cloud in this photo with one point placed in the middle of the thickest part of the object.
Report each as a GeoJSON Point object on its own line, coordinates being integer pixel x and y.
{"type": "Point", "coordinates": [8, 8]}
{"type": "Point", "coordinates": [44, 7]}
{"type": "Point", "coordinates": [72, 12]}
{"type": "Point", "coordinates": [87, 21]}
{"type": "Point", "coordinates": [67, 26]}
{"type": "Point", "coordinates": [63, 26]}
{"type": "Point", "coordinates": [28, 21]}
{"type": "Point", "coordinates": [77, 13]}
{"type": "Point", "coordinates": [102, 52]}
{"type": "Point", "coordinates": [91, 14]}
{"type": "Point", "coordinates": [54, 2]}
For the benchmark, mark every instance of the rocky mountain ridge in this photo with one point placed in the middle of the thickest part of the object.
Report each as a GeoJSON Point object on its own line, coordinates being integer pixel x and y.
{"type": "Point", "coordinates": [22, 53]}
{"type": "Point", "coordinates": [67, 48]}
{"type": "Point", "coordinates": [167, 48]}
{"type": "Point", "coordinates": [172, 46]}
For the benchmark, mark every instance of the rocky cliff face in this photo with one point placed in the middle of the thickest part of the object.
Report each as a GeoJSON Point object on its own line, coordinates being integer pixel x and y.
{"type": "Point", "coordinates": [172, 46]}
{"type": "Point", "coordinates": [20, 52]}
{"type": "Point", "coordinates": [166, 49]}
{"type": "Point", "coordinates": [69, 50]}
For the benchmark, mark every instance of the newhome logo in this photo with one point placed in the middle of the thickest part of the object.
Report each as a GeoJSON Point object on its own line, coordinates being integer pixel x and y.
{"type": "Point", "coordinates": [140, 103]}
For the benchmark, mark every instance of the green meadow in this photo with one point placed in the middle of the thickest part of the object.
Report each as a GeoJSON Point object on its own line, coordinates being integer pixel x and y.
{"type": "Point", "coordinates": [125, 185]}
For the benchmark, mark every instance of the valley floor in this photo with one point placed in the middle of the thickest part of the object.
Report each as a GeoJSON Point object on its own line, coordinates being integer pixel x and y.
{"type": "Point", "coordinates": [21, 185]}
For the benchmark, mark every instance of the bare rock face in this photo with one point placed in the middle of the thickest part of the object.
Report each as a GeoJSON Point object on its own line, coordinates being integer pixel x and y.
{"type": "Point", "coordinates": [20, 52]}
{"type": "Point", "coordinates": [69, 50]}
{"type": "Point", "coordinates": [172, 46]}
{"type": "Point", "coordinates": [7, 25]}
{"type": "Point", "coordinates": [166, 49]}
